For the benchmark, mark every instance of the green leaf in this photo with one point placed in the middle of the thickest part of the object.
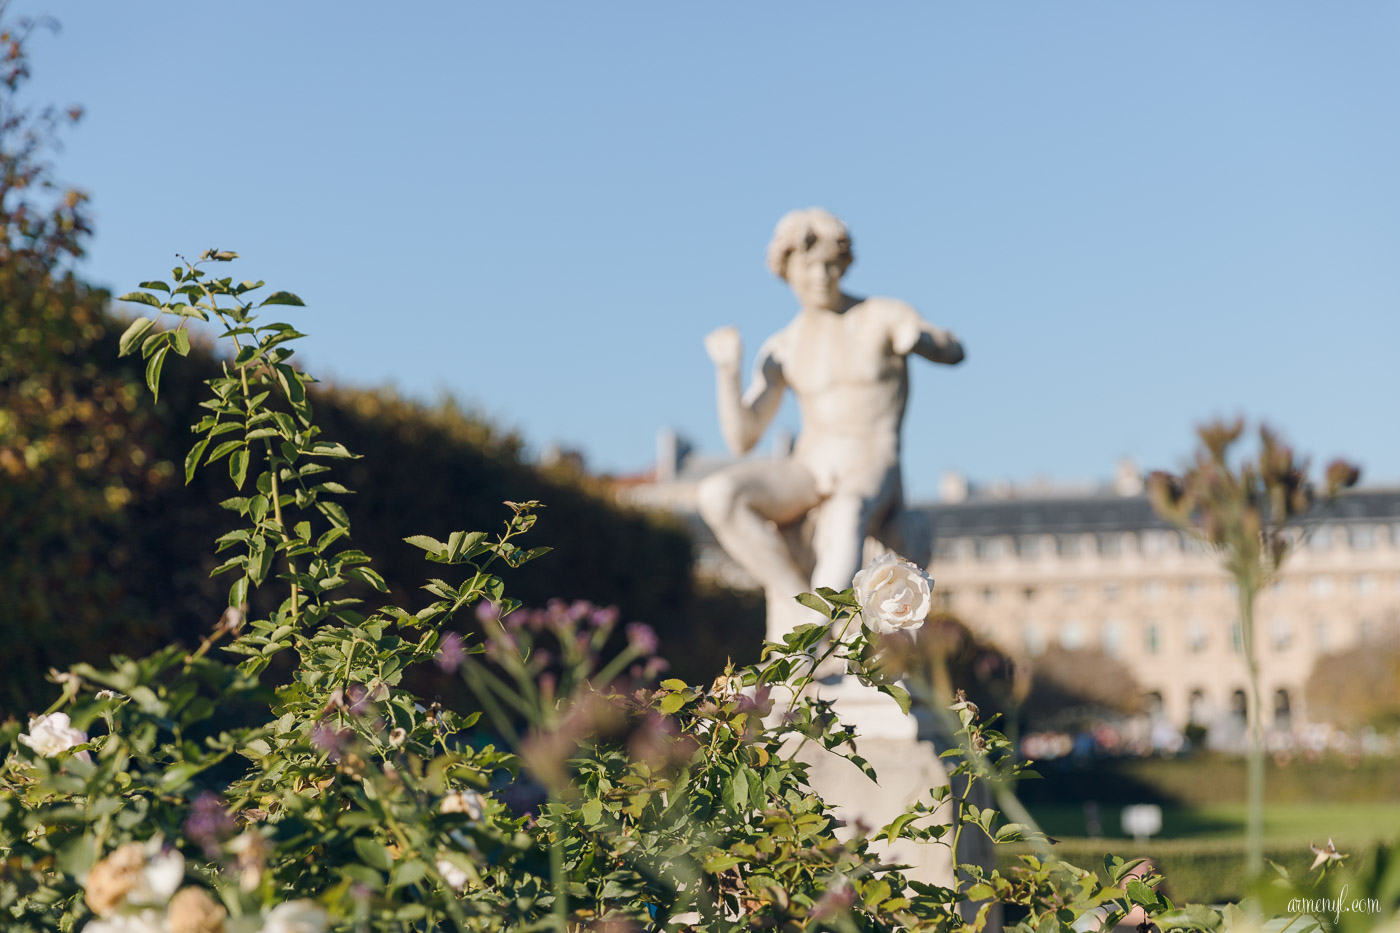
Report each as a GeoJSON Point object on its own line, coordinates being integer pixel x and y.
{"type": "Point", "coordinates": [238, 466]}
{"type": "Point", "coordinates": [153, 371]}
{"type": "Point", "coordinates": [431, 545]}
{"type": "Point", "coordinates": [223, 449]}
{"type": "Point", "coordinates": [592, 812]}
{"type": "Point", "coordinates": [1140, 893]}
{"type": "Point", "coordinates": [141, 298]}
{"type": "Point", "coordinates": [373, 853]}
{"type": "Point", "coordinates": [898, 694]}
{"type": "Point", "coordinates": [158, 286]}
{"type": "Point", "coordinates": [182, 341]}
{"type": "Point", "coordinates": [192, 459]}
{"type": "Point", "coordinates": [134, 332]}
{"type": "Point", "coordinates": [722, 861]}
{"type": "Point", "coordinates": [671, 702]}
{"type": "Point", "coordinates": [875, 893]}
{"type": "Point", "coordinates": [813, 601]}
{"type": "Point", "coordinates": [282, 298]}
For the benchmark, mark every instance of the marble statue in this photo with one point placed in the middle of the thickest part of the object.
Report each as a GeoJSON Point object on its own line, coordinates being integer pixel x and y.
{"type": "Point", "coordinates": [802, 521]}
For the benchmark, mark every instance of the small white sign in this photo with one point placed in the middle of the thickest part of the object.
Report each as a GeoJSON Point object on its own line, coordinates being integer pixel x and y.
{"type": "Point", "coordinates": [1142, 820]}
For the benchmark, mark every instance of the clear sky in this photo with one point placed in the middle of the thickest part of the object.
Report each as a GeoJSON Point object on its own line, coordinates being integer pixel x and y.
{"type": "Point", "coordinates": [1135, 215]}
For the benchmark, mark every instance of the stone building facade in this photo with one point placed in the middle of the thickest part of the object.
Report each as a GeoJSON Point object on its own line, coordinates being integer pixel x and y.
{"type": "Point", "coordinates": [1102, 571]}
{"type": "Point", "coordinates": [1094, 567]}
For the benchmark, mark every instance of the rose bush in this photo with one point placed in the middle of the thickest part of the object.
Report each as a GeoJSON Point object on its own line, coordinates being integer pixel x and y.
{"type": "Point", "coordinates": [280, 776]}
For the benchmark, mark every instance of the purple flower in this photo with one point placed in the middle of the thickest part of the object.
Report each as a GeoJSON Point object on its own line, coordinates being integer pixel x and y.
{"type": "Point", "coordinates": [451, 653]}
{"type": "Point", "coordinates": [359, 699]}
{"type": "Point", "coordinates": [486, 611]}
{"type": "Point", "coordinates": [603, 618]}
{"type": "Point", "coordinates": [641, 637]}
{"type": "Point", "coordinates": [328, 738]}
{"type": "Point", "coordinates": [209, 823]}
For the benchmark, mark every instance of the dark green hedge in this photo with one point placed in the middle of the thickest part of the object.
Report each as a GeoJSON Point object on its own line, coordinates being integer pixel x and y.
{"type": "Point", "coordinates": [1210, 779]}
{"type": "Point", "coordinates": [104, 549]}
{"type": "Point", "coordinates": [1197, 871]}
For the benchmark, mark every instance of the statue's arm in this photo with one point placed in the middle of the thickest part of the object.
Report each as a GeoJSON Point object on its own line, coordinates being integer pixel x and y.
{"type": "Point", "coordinates": [743, 416]}
{"type": "Point", "coordinates": [912, 334]}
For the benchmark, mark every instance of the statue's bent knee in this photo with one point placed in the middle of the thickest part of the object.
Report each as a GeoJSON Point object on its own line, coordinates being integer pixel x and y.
{"type": "Point", "coordinates": [716, 496]}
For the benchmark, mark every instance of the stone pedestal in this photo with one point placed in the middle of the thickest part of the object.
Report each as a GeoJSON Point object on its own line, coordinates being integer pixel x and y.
{"type": "Point", "coordinates": [903, 750]}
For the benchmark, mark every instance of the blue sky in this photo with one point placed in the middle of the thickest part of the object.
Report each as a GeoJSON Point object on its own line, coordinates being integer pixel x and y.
{"type": "Point", "coordinates": [1135, 215]}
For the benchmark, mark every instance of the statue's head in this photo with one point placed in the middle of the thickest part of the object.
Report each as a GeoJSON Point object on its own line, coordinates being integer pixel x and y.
{"type": "Point", "coordinates": [811, 250]}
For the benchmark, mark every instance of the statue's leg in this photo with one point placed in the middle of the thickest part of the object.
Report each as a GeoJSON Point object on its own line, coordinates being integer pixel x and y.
{"type": "Point", "coordinates": [854, 510]}
{"type": "Point", "coordinates": [743, 504]}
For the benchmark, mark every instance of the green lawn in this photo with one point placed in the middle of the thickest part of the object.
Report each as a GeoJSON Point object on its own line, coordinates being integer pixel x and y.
{"type": "Point", "coordinates": [1283, 822]}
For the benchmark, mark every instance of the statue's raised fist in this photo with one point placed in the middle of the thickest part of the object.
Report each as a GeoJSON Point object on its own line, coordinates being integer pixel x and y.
{"type": "Point", "coordinates": [725, 346]}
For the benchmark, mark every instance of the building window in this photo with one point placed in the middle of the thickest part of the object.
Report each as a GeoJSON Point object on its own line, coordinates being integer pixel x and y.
{"type": "Point", "coordinates": [1111, 591]}
{"type": "Point", "coordinates": [1152, 704]}
{"type": "Point", "coordinates": [1197, 636]}
{"type": "Point", "coordinates": [1072, 635]}
{"type": "Point", "coordinates": [1283, 710]}
{"type": "Point", "coordinates": [1112, 638]}
{"type": "Point", "coordinates": [1152, 638]}
{"type": "Point", "coordinates": [1365, 584]}
{"type": "Point", "coordinates": [1110, 545]}
{"type": "Point", "coordinates": [1361, 537]}
{"type": "Point", "coordinates": [1028, 593]}
{"type": "Point", "coordinates": [1028, 546]}
{"type": "Point", "coordinates": [989, 594]}
{"type": "Point", "coordinates": [1320, 586]}
{"type": "Point", "coordinates": [945, 549]}
{"type": "Point", "coordinates": [1239, 707]}
{"type": "Point", "coordinates": [1320, 634]}
{"type": "Point", "coordinates": [1067, 545]}
{"type": "Point", "coordinates": [1193, 588]}
{"type": "Point", "coordinates": [1154, 543]}
{"type": "Point", "coordinates": [1236, 637]}
{"type": "Point", "coordinates": [988, 548]}
{"type": "Point", "coordinates": [1033, 638]}
{"type": "Point", "coordinates": [1153, 590]}
{"type": "Point", "coordinates": [1366, 630]}
{"type": "Point", "coordinates": [1281, 634]}
{"type": "Point", "coordinates": [1069, 592]}
{"type": "Point", "coordinates": [1199, 707]}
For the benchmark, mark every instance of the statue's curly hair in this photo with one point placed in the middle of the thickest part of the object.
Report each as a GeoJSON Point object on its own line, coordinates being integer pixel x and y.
{"type": "Point", "coordinates": [801, 230]}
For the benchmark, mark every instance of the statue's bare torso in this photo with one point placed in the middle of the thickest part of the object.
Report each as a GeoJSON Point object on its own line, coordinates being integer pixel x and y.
{"type": "Point", "coordinates": [844, 358]}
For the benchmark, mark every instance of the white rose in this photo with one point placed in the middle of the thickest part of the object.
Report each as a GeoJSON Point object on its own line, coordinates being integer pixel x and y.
{"type": "Point", "coordinates": [302, 916]}
{"type": "Point", "coordinates": [455, 877]}
{"type": "Point", "coordinates": [147, 921]}
{"type": "Point", "coordinates": [54, 733]}
{"type": "Point", "coordinates": [160, 878]}
{"type": "Point", "coordinates": [464, 801]}
{"type": "Point", "coordinates": [894, 595]}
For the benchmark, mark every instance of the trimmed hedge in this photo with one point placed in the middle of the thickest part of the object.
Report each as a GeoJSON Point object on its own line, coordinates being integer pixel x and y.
{"type": "Point", "coordinates": [1201, 871]}
{"type": "Point", "coordinates": [1204, 779]}
{"type": "Point", "coordinates": [104, 549]}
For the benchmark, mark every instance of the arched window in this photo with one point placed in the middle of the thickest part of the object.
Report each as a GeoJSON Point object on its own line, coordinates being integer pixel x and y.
{"type": "Point", "coordinates": [1199, 708]}
{"type": "Point", "coordinates": [1152, 703]}
{"type": "Point", "coordinates": [1283, 710]}
{"type": "Point", "coordinates": [1239, 706]}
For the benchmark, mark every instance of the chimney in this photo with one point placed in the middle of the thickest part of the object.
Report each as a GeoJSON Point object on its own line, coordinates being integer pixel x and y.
{"type": "Point", "coordinates": [1127, 478]}
{"type": "Point", "coordinates": [953, 486]}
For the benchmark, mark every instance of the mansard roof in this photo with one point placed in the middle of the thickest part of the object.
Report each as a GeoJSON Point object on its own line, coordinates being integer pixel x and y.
{"type": "Point", "coordinates": [1108, 512]}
